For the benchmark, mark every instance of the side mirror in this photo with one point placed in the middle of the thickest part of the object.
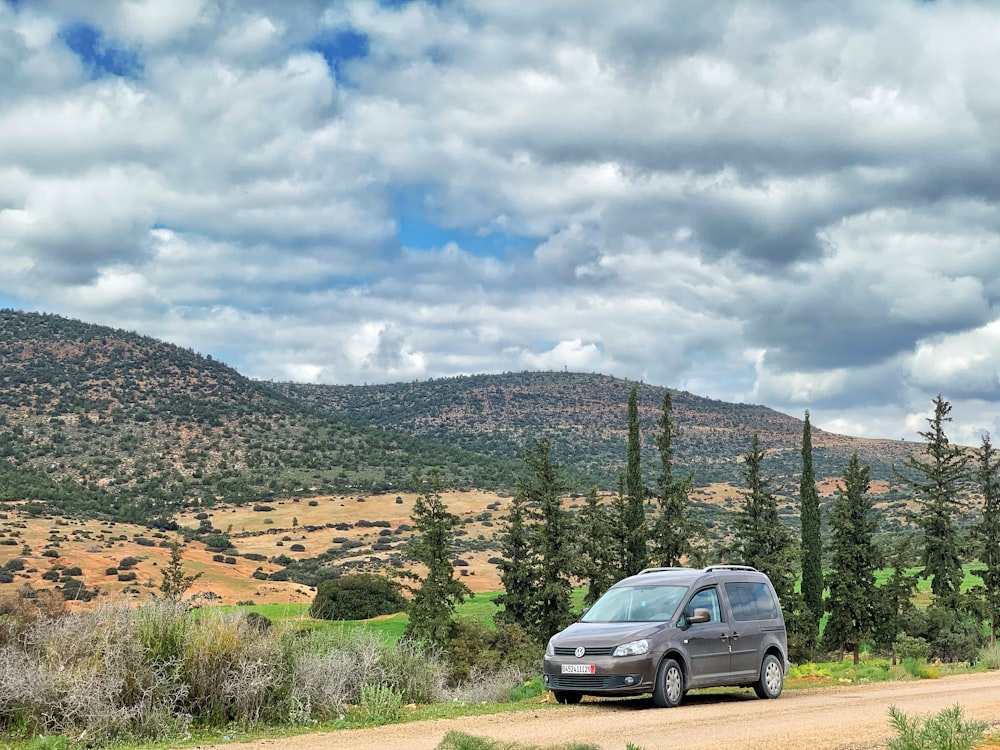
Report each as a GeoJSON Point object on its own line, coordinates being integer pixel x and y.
{"type": "Point", "coordinates": [700, 614]}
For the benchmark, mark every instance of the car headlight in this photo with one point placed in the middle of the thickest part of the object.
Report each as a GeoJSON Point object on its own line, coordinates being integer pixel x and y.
{"type": "Point", "coordinates": [635, 648]}
{"type": "Point", "coordinates": [550, 650]}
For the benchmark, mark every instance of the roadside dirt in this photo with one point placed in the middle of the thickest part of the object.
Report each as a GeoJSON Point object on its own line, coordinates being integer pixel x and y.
{"type": "Point", "coordinates": [847, 718]}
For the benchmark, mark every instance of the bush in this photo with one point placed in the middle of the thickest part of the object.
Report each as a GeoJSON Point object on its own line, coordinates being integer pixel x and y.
{"type": "Point", "coordinates": [356, 597]}
{"type": "Point", "coordinates": [380, 704]}
{"type": "Point", "coordinates": [907, 647]}
{"type": "Point", "coordinates": [473, 647]}
{"type": "Point", "coordinates": [945, 730]}
{"type": "Point", "coordinates": [989, 657]}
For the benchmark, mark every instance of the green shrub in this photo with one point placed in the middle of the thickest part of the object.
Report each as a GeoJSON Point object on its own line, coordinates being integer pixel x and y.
{"type": "Point", "coordinates": [909, 647]}
{"type": "Point", "coordinates": [989, 657]}
{"type": "Point", "coordinates": [473, 647]}
{"type": "Point", "coordinates": [380, 704]}
{"type": "Point", "coordinates": [945, 730]}
{"type": "Point", "coordinates": [356, 597]}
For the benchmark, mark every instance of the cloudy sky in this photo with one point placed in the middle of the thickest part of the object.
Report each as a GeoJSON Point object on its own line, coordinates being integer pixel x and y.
{"type": "Point", "coordinates": [790, 204]}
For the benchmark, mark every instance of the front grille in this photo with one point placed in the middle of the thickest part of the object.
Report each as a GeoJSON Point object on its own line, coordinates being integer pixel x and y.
{"type": "Point", "coordinates": [571, 651]}
{"type": "Point", "coordinates": [590, 682]}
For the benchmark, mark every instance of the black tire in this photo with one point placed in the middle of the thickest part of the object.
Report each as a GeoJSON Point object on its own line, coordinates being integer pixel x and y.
{"type": "Point", "coordinates": [569, 698]}
{"type": "Point", "coordinates": [669, 688]}
{"type": "Point", "coordinates": [772, 678]}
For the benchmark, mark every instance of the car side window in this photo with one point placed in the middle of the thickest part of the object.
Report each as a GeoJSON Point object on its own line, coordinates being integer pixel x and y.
{"type": "Point", "coordinates": [706, 599]}
{"type": "Point", "coordinates": [751, 601]}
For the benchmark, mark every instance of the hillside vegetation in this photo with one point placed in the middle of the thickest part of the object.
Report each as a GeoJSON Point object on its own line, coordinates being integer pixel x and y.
{"type": "Point", "coordinates": [103, 422]}
{"type": "Point", "coordinates": [584, 417]}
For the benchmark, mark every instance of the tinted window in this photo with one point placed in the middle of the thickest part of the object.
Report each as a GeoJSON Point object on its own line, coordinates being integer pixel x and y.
{"type": "Point", "coordinates": [636, 604]}
{"type": "Point", "coordinates": [751, 601]}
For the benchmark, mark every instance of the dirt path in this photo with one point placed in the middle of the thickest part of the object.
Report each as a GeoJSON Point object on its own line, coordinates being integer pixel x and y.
{"type": "Point", "coordinates": [848, 718]}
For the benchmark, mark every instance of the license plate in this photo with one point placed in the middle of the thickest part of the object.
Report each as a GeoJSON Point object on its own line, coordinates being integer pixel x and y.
{"type": "Point", "coordinates": [579, 669]}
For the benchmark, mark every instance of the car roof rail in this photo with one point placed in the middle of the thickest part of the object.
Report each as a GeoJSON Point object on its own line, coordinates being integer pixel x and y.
{"type": "Point", "coordinates": [659, 570]}
{"type": "Point", "coordinates": [724, 566]}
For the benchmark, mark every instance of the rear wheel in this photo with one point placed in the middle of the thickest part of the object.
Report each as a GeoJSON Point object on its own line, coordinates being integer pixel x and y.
{"type": "Point", "coordinates": [669, 688]}
{"type": "Point", "coordinates": [562, 696]}
{"type": "Point", "coordinates": [772, 678]}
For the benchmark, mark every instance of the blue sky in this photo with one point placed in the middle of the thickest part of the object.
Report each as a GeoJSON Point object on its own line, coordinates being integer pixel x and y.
{"type": "Point", "coordinates": [777, 203]}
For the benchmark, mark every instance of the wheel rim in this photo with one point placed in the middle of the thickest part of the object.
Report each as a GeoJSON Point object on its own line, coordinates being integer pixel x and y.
{"type": "Point", "coordinates": [772, 676]}
{"type": "Point", "coordinates": [672, 684]}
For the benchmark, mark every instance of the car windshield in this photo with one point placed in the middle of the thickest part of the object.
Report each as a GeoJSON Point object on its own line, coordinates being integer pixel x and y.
{"type": "Point", "coordinates": [636, 604]}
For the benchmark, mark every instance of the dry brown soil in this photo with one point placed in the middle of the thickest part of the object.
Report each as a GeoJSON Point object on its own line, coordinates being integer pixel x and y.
{"type": "Point", "coordinates": [841, 718]}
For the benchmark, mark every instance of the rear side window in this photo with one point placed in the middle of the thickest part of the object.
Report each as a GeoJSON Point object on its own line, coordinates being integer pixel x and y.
{"type": "Point", "coordinates": [751, 601]}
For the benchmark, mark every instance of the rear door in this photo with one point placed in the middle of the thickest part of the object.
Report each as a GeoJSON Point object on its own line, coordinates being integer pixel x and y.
{"type": "Point", "coordinates": [754, 611]}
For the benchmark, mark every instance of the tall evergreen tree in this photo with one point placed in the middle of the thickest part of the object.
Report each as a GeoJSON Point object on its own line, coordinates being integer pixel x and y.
{"type": "Point", "coordinates": [554, 542]}
{"type": "Point", "coordinates": [540, 534]}
{"type": "Point", "coordinates": [518, 567]}
{"type": "Point", "coordinates": [812, 545]}
{"type": "Point", "coordinates": [853, 562]}
{"type": "Point", "coordinates": [433, 602]}
{"type": "Point", "coordinates": [596, 561]}
{"type": "Point", "coordinates": [673, 527]}
{"type": "Point", "coordinates": [761, 540]}
{"type": "Point", "coordinates": [937, 483]}
{"type": "Point", "coordinates": [988, 529]}
{"type": "Point", "coordinates": [637, 554]}
{"type": "Point", "coordinates": [894, 598]}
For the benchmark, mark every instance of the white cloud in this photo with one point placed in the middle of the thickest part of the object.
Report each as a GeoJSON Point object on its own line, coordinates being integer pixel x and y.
{"type": "Point", "coordinates": [787, 203]}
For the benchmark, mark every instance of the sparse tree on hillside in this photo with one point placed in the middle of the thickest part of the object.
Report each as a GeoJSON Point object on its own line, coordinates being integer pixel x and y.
{"type": "Point", "coordinates": [674, 527]}
{"type": "Point", "coordinates": [761, 540]}
{"type": "Point", "coordinates": [937, 483]}
{"type": "Point", "coordinates": [854, 560]}
{"type": "Point", "coordinates": [636, 552]}
{"type": "Point", "coordinates": [439, 592]}
{"type": "Point", "coordinates": [174, 583]}
{"type": "Point", "coordinates": [812, 545]}
{"type": "Point", "coordinates": [988, 529]}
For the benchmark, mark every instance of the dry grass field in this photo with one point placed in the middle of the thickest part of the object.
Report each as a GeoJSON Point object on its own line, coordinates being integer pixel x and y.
{"type": "Point", "coordinates": [294, 527]}
{"type": "Point", "coordinates": [98, 546]}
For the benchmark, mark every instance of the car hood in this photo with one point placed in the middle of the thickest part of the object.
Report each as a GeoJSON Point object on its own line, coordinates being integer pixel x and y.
{"type": "Point", "coordinates": [606, 634]}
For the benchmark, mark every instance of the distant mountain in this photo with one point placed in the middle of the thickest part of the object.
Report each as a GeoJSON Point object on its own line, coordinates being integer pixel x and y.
{"type": "Point", "coordinates": [102, 422]}
{"type": "Point", "coordinates": [584, 417]}
{"type": "Point", "coordinates": [97, 421]}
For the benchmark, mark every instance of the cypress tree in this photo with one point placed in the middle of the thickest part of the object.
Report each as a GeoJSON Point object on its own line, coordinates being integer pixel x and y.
{"type": "Point", "coordinates": [812, 546]}
{"type": "Point", "coordinates": [853, 562]}
{"type": "Point", "coordinates": [673, 527]}
{"type": "Point", "coordinates": [538, 550]}
{"type": "Point", "coordinates": [439, 592]}
{"type": "Point", "coordinates": [637, 555]}
{"type": "Point", "coordinates": [554, 540]}
{"type": "Point", "coordinates": [936, 483]}
{"type": "Point", "coordinates": [762, 542]}
{"type": "Point", "coordinates": [596, 553]}
{"type": "Point", "coordinates": [988, 529]}
{"type": "Point", "coordinates": [518, 568]}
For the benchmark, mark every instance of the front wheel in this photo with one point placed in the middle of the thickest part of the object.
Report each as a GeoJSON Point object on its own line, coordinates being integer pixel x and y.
{"type": "Point", "coordinates": [772, 678]}
{"type": "Point", "coordinates": [669, 687]}
{"type": "Point", "coordinates": [568, 698]}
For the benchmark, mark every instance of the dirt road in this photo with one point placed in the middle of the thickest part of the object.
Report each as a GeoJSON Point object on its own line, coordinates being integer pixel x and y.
{"type": "Point", "coordinates": [842, 718]}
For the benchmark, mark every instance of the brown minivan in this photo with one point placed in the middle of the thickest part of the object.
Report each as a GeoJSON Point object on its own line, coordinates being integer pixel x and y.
{"type": "Point", "coordinates": [667, 630]}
